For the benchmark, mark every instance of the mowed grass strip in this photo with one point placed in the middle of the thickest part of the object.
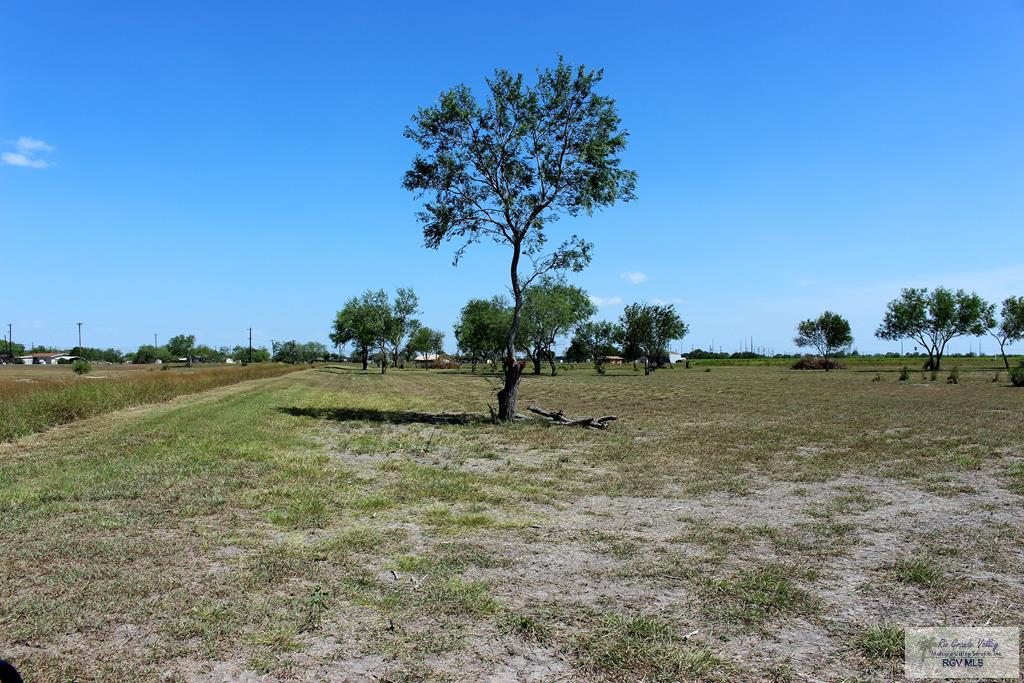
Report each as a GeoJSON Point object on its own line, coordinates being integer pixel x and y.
{"type": "Point", "coordinates": [28, 406]}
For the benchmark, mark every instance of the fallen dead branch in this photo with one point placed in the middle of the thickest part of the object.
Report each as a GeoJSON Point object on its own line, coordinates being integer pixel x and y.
{"type": "Point", "coordinates": [559, 418]}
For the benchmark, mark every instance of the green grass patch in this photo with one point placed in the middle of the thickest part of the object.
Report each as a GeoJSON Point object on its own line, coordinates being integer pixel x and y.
{"type": "Point", "coordinates": [881, 641]}
{"type": "Point", "coordinates": [641, 648]}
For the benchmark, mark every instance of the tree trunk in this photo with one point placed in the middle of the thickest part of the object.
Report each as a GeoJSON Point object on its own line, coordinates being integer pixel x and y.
{"type": "Point", "coordinates": [474, 365]}
{"type": "Point", "coordinates": [366, 359]}
{"type": "Point", "coordinates": [513, 369]}
{"type": "Point", "coordinates": [536, 361]}
{"type": "Point", "coordinates": [1002, 351]}
{"type": "Point", "coordinates": [647, 366]}
{"type": "Point", "coordinates": [826, 362]}
{"type": "Point", "coordinates": [384, 363]}
{"type": "Point", "coordinates": [554, 368]}
{"type": "Point", "coordinates": [510, 392]}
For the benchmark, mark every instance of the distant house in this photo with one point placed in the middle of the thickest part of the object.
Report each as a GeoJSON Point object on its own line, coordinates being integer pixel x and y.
{"type": "Point", "coordinates": [674, 357]}
{"type": "Point", "coordinates": [47, 358]}
{"type": "Point", "coordinates": [612, 360]}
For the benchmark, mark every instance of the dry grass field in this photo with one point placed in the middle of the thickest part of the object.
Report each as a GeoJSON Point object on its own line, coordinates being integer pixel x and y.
{"type": "Point", "coordinates": [735, 524]}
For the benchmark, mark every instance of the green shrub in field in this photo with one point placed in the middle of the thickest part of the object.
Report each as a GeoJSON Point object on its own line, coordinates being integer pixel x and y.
{"type": "Point", "coordinates": [904, 373]}
{"type": "Point", "coordinates": [954, 375]}
{"type": "Point", "coordinates": [1017, 375]}
{"type": "Point", "coordinates": [81, 367]}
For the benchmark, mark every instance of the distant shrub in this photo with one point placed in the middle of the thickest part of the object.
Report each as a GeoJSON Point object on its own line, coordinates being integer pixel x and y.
{"type": "Point", "coordinates": [878, 377]}
{"type": "Point", "coordinates": [904, 373]}
{"type": "Point", "coordinates": [995, 377]}
{"type": "Point", "coordinates": [816, 363]}
{"type": "Point", "coordinates": [1017, 375]}
{"type": "Point", "coordinates": [954, 375]}
{"type": "Point", "coordinates": [81, 367]}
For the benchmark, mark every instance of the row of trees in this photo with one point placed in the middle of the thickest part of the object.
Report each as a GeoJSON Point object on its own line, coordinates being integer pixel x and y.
{"type": "Point", "coordinates": [930, 318]}
{"type": "Point", "coordinates": [551, 310]}
{"type": "Point", "coordinates": [374, 322]}
{"type": "Point", "coordinates": [184, 346]}
{"type": "Point", "coordinates": [934, 318]}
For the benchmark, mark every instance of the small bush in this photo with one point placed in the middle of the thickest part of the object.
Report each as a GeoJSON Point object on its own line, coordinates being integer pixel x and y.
{"type": "Point", "coordinates": [878, 377]}
{"type": "Point", "coordinates": [904, 373]}
{"type": "Point", "coordinates": [995, 377]}
{"type": "Point", "coordinates": [954, 375]}
{"type": "Point", "coordinates": [81, 367]}
{"type": "Point", "coordinates": [816, 363]}
{"type": "Point", "coordinates": [1017, 375]}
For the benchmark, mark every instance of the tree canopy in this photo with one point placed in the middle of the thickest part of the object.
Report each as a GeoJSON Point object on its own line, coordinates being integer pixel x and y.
{"type": "Point", "coordinates": [357, 322]}
{"type": "Point", "coordinates": [829, 333]}
{"type": "Point", "coordinates": [649, 328]}
{"type": "Point", "coordinates": [551, 309]}
{"type": "Point", "coordinates": [504, 169]}
{"type": "Point", "coordinates": [594, 340]}
{"type": "Point", "coordinates": [426, 341]}
{"type": "Point", "coordinates": [482, 329]}
{"type": "Point", "coordinates": [181, 346]}
{"type": "Point", "coordinates": [1010, 327]}
{"type": "Point", "coordinates": [934, 318]}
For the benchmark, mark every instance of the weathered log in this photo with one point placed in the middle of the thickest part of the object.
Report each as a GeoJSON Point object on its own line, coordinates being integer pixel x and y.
{"type": "Point", "coordinates": [559, 418]}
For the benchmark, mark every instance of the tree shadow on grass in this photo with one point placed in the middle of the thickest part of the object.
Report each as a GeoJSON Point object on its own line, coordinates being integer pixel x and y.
{"type": "Point", "coordinates": [389, 416]}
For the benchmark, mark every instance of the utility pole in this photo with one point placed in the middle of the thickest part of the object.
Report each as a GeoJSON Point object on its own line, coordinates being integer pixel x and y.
{"type": "Point", "coordinates": [79, 337]}
{"type": "Point", "coordinates": [273, 351]}
{"type": "Point", "coordinates": [250, 346]}
{"type": "Point", "coordinates": [155, 345]}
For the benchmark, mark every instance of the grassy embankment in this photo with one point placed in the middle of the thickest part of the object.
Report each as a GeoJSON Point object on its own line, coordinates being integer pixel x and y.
{"type": "Point", "coordinates": [35, 398]}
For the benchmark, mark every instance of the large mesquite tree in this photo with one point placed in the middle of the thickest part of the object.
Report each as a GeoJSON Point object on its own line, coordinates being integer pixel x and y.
{"type": "Point", "coordinates": [934, 318]}
{"type": "Point", "coordinates": [506, 168]}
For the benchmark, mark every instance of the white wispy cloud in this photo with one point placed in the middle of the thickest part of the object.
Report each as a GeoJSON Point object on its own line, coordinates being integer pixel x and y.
{"type": "Point", "coordinates": [606, 301]}
{"type": "Point", "coordinates": [665, 302]}
{"type": "Point", "coordinates": [634, 276]}
{"type": "Point", "coordinates": [26, 154]}
{"type": "Point", "coordinates": [27, 144]}
{"type": "Point", "coordinates": [14, 159]}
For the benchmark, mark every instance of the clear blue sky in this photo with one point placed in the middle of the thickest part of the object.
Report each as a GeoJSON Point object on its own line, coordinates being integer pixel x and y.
{"type": "Point", "coordinates": [205, 167]}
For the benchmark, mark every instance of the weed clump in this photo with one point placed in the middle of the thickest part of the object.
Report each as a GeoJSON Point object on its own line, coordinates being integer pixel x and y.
{"type": "Point", "coordinates": [81, 367]}
{"type": "Point", "coordinates": [904, 373]}
{"type": "Point", "coordinates": [954, 375]}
